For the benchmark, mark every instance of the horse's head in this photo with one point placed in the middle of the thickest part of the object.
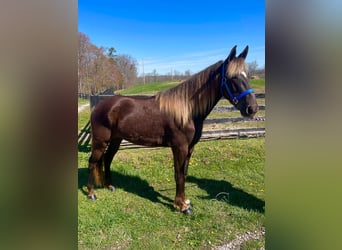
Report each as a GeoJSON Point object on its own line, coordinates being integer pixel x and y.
{"type": "Point", "coordinates": [235, 85]}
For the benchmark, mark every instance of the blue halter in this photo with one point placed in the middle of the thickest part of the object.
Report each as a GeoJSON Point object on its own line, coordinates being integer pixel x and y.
{"type": "Point", "coordinates": [224, 84]}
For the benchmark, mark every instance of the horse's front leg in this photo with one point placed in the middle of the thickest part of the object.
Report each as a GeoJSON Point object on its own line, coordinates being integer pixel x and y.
{"type": "Point", "coordinates": [113, 147]}
{"type": "Point", "coordinates": [181, 161]}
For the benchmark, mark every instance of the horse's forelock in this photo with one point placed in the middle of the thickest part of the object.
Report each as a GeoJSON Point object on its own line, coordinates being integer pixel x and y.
{"type": "Point", "coordinates": [236, 67]}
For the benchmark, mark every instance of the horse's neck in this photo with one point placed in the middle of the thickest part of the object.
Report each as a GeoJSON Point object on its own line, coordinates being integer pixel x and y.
{"type": "Point", "coordinates": [211, 107]}
{"type": "Point", "coordinates": [211, 103]}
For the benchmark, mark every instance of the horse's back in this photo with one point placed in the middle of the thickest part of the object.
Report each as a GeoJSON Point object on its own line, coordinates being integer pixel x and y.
{"type": "Point", "coordinates": [117, 103]}
{"type": "Point", "coordinates": [116, 111]}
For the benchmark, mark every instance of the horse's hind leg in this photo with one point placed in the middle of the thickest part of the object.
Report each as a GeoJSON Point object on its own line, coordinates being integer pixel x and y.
{"type": "Point", "coordinates": [95, 168]}
{"type": "Point", "coordinates": [113, 147]}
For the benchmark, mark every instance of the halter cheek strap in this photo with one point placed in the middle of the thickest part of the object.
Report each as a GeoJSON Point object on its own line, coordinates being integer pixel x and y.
{"type": "Point", "coordinates": [224, 84]}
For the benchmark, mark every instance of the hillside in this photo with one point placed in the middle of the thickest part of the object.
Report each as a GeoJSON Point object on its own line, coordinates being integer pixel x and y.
{"type": "Point", "coordinates": [151, 88]}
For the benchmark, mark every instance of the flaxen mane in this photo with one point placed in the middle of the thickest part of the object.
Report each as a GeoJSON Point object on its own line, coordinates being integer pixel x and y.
{"type": "Point", "coordinates": [187, 100]}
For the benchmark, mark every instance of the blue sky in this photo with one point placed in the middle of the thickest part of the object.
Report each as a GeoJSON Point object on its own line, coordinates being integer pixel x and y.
{"type": "Point", "coordinates": [175, 35]}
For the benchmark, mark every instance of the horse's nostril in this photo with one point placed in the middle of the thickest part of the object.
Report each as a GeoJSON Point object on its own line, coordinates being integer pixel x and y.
{"type": "Point", "coordinates": [251, 110]}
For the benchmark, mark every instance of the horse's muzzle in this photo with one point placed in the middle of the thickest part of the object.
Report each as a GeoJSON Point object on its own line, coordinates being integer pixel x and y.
{"type": "Point", "coordinates": [251, 110]}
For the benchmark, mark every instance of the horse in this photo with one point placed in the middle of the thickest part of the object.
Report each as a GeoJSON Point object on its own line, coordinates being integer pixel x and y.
{"type": "Point", "coordinates": [171, 118]}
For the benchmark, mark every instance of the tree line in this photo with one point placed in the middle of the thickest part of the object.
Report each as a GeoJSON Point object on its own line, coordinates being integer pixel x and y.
{"type": "Point", "coordinates": [101, 68]}
{"type": "Point", "coordinates": [253, 69]}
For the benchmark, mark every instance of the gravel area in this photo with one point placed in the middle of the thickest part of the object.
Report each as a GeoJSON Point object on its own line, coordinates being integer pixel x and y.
{"type": "Point", "coordinates": [236, 243]}
{"type": "Point", "coordinates": [220, 109]}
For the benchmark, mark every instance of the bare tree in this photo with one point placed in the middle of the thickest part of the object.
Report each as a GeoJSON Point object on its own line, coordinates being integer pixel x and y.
{"type": "Point", "coordinates": [128, 68]}
{"type": "Point", "coordinates": [252, 67]}
{"type": "Point", "coordinates": [84, 61]}
{"type": "Point", "coordinates": [155, 74]}
{"type": "Point", "coordinates": [97, 67]}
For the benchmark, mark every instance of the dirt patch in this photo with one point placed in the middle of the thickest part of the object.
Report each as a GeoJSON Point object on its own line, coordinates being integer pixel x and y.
{"type": "Point", "coordinates": [236, 243]}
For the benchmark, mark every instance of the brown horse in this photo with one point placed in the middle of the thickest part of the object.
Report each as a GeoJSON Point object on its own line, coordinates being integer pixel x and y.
{"type": "Point", "coordinates": [172, 118]}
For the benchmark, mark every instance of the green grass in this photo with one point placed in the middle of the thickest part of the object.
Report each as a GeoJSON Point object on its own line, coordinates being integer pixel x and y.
{"type": "Point", "coordinates": [257, 82]}
{"type": "Point", "coordinates": [154, 87]}
{"type": "Point", "coordinates": [82, 101]}
{"type": "Point", "coordinates": [148, 88]}
{"type": "Point", "coordinates": [83, 118]}
{"type": "Point", "coordinates": [258, 85]}
{"type": "Point", "coordinates": [139, 213]}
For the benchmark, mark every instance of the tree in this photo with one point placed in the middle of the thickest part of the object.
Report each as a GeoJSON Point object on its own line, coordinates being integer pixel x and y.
{"type": "Point", "coordinates": [111, 52]}
{"type": "Point", "coordinates": [83, 62]}
{"type": "Point", "coordinates": [97, 67]}
{"type": "Point", "coordinates": [155, 74]}
{"type": "Point", "coordinates": [176, 75]}
{"type": "Point", "coordinates": [128, 68]}
{"type": "Point", "coordinates": [252, 67]}
{"type": "Point", "coordinates": [106, 73]}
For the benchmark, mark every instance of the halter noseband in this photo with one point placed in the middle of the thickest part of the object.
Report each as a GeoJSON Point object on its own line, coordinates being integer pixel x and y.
{"type": "Point", "coordinates": [224, 84]}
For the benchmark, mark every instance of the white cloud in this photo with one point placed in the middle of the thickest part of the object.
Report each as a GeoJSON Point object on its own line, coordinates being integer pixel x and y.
{"type": "Point", "coordinates": [194, 61]}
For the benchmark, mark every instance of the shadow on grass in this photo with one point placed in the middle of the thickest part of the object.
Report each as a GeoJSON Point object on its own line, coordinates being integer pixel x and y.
{"type": "Point", "coordinates": [135, 185]}
{"type": "Point", "coordinates": [140, 187]}
{"type": "Point", "coordinates": [129, 183]}
{"type": "Point", "coordinates": [236, 196]}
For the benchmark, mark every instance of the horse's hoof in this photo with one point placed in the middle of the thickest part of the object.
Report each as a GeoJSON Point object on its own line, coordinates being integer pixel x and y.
{"type": "Point", "coordinates": [111, 188]}
{"type": "Point", "coordinates": [187, 211]}
{"type": "Point", "coordinates": [92, 197]}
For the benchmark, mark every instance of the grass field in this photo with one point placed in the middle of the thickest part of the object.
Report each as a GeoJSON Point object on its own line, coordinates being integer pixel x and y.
{"type": "Point", "coordinates": [82, 101]}
{"type": "Point", "coordinates": [148, 88]}
{"type": "Point", "coordinates": [151, 88]}
{"type": "Point", "coordinates": [225, 185]}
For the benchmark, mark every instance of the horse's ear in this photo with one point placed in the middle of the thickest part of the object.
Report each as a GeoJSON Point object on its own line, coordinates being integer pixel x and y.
{"type": "Point", "coordinates": [232, 54]}
{"type": "Point", "coordinates": [244, 53]}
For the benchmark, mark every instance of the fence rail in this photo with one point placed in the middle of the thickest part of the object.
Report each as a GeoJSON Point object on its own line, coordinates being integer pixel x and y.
{"type": "Point", "coordinates": [214, 135]}
{"type": "Point", "coordinates": [84, 136]}
{"type": "Point", "coordinates": [95, 99]}
{"type": "Point", "coordinates": [236, 133]}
